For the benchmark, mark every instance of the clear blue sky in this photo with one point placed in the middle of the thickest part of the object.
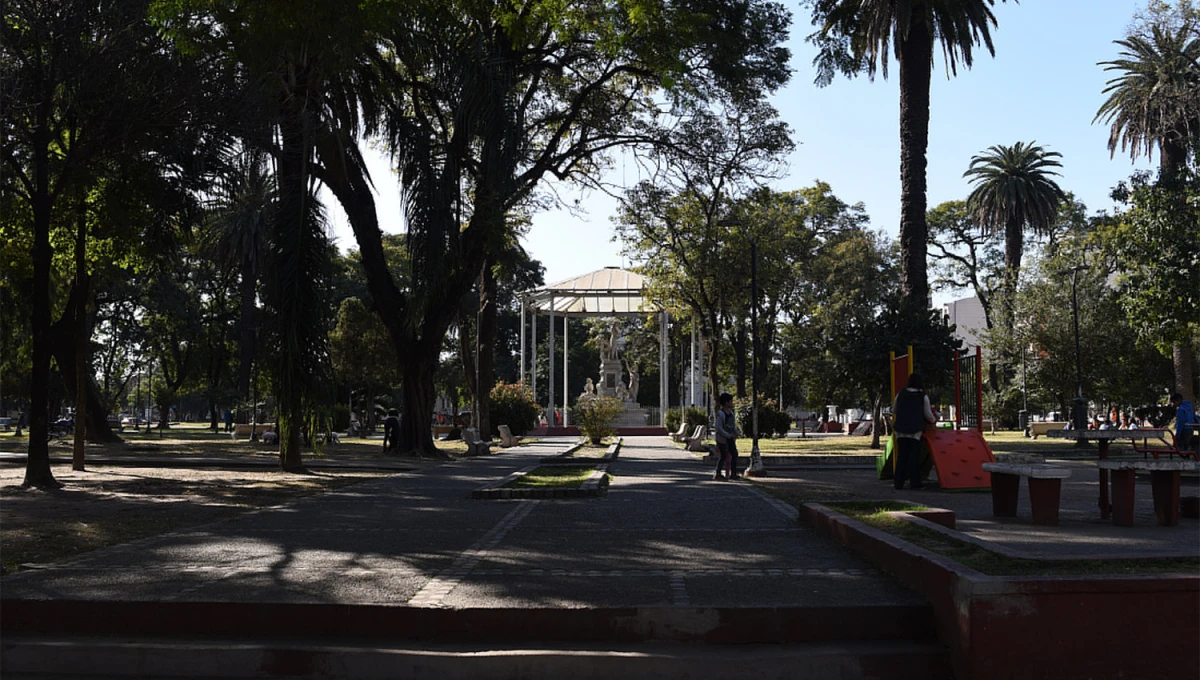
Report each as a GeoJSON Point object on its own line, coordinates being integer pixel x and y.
{"type": "Point", "coordinates": [1043, 85]}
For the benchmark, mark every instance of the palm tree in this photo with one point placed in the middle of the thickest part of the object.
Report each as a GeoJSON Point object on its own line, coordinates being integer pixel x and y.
{"type": "Point", "coordinates": [855, 36]}
{"type": "Point", "coordinates": [1155, 101]}
{"type": "Point", "coordinates": [1014, 191]}
{"type": "Point", "coordinates": [239, 227]}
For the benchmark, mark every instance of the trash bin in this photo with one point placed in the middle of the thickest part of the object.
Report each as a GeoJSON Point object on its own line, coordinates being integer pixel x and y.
{"type": "Point", "coordinates": [1023, 420]}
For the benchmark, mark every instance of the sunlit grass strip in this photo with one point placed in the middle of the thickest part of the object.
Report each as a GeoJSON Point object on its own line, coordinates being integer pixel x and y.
{"type": "Point", "coordinates": [556, 476]}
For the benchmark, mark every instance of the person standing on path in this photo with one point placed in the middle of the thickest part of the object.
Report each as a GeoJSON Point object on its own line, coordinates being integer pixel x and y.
{"type": "Point", "coordinates": [1185, 422]}
{"type": "Point", "coordinates": [912, 414]}
{"type": "Point", "coordinates": [391, 430]}
{"type": "Point", "coordinates": [726, 436]}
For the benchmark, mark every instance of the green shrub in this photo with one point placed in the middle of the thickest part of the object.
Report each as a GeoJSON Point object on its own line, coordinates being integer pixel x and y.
{"type": "Point", "coordinates": [513, 405]}
{"type": "Point", "coordinates": [696, 416]}
{"type": "Point", "coordinates": [770, 420]}
{"type": "Point", "coordinates": [595, 415]}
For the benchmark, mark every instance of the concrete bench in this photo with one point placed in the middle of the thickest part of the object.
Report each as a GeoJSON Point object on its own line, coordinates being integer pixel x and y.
{"type": "Point", "coordinates": [507, 438]}
{"type": "Point", "coordinates": [681, 434]}
{"type": "Point", "coordinates": [1036, 429]}
{"type": "Point", "coordinates": [1164, 485]}
{"type": "Point", "coordinates": [475, 445]}
{"type": "Point", "coordinates": [245, 430]}
{"type": "Point", "coordinates": [696, 441]}
{"type": "Point", "coordinates": [1045, 489]}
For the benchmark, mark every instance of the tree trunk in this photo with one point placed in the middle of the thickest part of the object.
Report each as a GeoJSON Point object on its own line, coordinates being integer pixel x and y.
{"type": "Point", "coordinates": [739, 358]}
{"type": "Point", "coordinates": [289, 425]}
{"type": "Point", "coordinates": [416, 430]}
{"type": "Point", "coordinates": [37, 462]}
{"type": "Point", "coordinates": [1183, 359]}
{"type": "Point", "coordinates": [214, 422]}
{"type": "Point", "coordinates": [81, 337]}
{"type": "Point", "coordinates": [486, 354]}
{"type": "Point", "coordinates": [1014, 246]}
{"type": "Point", "coordinates": [916, 63]}
{"type": "Point", "coordinates": [247, 340]}
{"type": "Point", "coordinates": [876, 420]}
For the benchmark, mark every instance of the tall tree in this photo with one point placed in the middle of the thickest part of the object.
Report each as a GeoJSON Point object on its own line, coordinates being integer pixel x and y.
{"type": "Point", "coordinates": [855, 36]}
{"type": "Point", "coordinates": [1014, 191]}
{"type": "Point", "coordinates": [1154, 101]}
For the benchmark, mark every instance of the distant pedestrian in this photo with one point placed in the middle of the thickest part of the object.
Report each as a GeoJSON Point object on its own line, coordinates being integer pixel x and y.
{"type": "Point", "coordinates": [912, 415]}
{"type": "Point", "coordinates": [391, 430]}
{"type": "Point", "coordinates": [228, 420]}
{"type": "Point", "coordinates": [726, 436]}
{"type": "Point", "coordinates": [1185, 421]}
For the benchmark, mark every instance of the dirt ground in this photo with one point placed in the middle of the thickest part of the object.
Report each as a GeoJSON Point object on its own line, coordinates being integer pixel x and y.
{"type": "Point", "coordinates": [106, 505]}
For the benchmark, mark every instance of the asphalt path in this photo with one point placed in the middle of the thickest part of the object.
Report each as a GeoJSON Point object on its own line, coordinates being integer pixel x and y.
{"type": "Point", "coordinates": [665, 535]}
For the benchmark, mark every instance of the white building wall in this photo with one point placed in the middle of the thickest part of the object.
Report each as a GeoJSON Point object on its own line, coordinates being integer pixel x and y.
{"type": "Point", "coordinates": [968, 318]}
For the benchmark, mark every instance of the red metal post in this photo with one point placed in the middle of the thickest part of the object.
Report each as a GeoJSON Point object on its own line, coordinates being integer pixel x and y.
{"type": "Point", "coordinates": [957, 392]}
{"type": "Point", "coordinates": [979, 387]}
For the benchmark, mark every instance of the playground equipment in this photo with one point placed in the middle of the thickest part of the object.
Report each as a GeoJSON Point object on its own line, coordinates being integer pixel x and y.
{"type": "Point", "coordinates": [957, 454]}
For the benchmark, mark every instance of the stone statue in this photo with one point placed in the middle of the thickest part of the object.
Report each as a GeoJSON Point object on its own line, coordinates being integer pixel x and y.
{"type": "Point", "coordinates": [633, 381]}
{"type": "Point", "coordinates": [622, 392]}
{"type": "Point", "coordinates": [608, 345]}
{"type": "Point", "coordinates": [589, 389]}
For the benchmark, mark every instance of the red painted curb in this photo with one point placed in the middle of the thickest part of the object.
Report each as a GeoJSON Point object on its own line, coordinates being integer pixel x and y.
{"type": "Point", "coordinates": [1052, 628]}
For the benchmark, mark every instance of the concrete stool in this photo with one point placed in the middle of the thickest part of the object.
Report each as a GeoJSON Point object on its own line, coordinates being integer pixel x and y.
{"type": "Point", "coordinates": [1164, 485]}
{"type": "Point", "coordinates": [1045, 489]}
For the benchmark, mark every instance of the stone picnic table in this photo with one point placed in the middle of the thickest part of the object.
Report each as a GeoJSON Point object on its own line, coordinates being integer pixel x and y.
{"type": "Point", "coordinates": [1102, 438]}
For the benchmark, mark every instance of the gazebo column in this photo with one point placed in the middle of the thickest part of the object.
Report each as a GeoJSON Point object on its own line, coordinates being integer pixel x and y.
{"type": "Point", "coordinates": [692, 370]}
{"type": "Point", "coordinates": [703, 374]}
{"type": "Point", "coordinates": [550, 385]}
{"type": "Point", "coordinates": [664, 369]}
{"type": "Point", "coordinates": [566, 390]}
{"type": "Point", "coordinates": [533, 354]}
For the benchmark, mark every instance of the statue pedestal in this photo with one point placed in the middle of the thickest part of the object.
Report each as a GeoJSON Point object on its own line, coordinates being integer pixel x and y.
{"type": "Point", "coordinates": [610, 377]}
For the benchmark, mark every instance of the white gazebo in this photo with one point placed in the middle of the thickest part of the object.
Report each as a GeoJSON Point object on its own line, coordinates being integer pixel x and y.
{"type": "Point", "coordinates": [611, 291]}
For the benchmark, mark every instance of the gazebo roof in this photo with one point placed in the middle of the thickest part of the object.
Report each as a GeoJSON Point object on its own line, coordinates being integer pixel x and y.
{"type": "Point", "coordinates": [604, 292]}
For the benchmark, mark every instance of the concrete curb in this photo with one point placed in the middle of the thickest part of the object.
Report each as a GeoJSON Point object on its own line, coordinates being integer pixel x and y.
{"type": "Point", "coordinates": [1067, 627]}
{"type": "Point", "coordinates": [595, 486]}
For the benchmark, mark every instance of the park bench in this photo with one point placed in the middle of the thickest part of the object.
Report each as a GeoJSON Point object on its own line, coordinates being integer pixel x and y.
{"type": "Point", "coordinates": [475, 445]}
{"type": "Point", "coordinates": [6, 423]}
{"type": "Point", "coordinates": [696, 441]}
{"type": "Point", "coordinates": [1036, 429]}
{"type": "Point", "coordinates": [245, 430]}
{"type": "Point", "coordinates": [1045, 489]}
{"type": "Point", "coordinates": [1157, 442]}
{"type": "Point", "coordinates": [681, 434]}
{"type": "Point", "coordinates": [507, 438]}
{"type": "Point", "coordinates": [1164, 485]}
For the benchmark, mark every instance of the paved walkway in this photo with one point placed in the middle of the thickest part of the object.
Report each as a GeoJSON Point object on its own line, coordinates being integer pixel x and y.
{"type": "Point", "coordinates": [666, 534]}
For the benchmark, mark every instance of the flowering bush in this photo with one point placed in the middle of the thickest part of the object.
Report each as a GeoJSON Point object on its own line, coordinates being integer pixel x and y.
{"type": "Point", "coordinates": [595, 416]}
{"type": "Point", "coordinates": [512, 404]}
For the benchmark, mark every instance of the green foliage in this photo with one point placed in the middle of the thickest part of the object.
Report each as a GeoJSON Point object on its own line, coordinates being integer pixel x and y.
{"type": "Point", "coordinates": [694, 414]}
{"type": "Point", "coordinates": [595, 415]}
{"type": "Point", "coordinates": [771, 420]}
{"type": "Point", "coordinates": [1155, 248]}
{"type": "Point", "coordinates": [513, 405]}
{"type": "Point", "coordinates": [361, 350]}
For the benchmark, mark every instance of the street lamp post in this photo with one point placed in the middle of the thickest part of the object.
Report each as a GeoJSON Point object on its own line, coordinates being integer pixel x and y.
{"type": "Point", "coordinates": [1079, 405]}
{"type": "Point", "coordinates": [756, 465]}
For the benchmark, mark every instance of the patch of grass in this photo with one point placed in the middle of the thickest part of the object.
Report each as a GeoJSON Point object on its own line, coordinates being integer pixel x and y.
{"type": "Point", "coordinates": [552, 476]}
{"type": "Point", "coordinates": [874, 514]}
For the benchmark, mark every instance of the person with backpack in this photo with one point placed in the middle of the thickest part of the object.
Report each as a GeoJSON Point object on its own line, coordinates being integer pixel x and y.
{"type": "Point", "coordinates": [912, 414]}
{"type": "Point", "coordinates": [726, 436]}
{"type": "Point", "coordinates": [1185, 421]}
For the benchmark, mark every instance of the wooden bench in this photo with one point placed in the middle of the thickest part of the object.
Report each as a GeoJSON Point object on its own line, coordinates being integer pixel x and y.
{"type": "Point", "coordinates": [244, 430]}
{"type": "Point", "coordinates": [475, 445]}
{"type": "Point", "coordinates": [1158, 442]}
{"type": "Point", "coordinates": [1036, 429]}
{"type": "Point", "coordinates": [507, 438]}
{"type": "Point", "coordinates": [1045, 489]}
{"type": "Point", "coordinates": [1164, 485]}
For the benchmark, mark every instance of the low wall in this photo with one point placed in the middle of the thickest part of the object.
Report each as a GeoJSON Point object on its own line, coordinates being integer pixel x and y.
{"type": "Point", "coordinates": [1060, 628]}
